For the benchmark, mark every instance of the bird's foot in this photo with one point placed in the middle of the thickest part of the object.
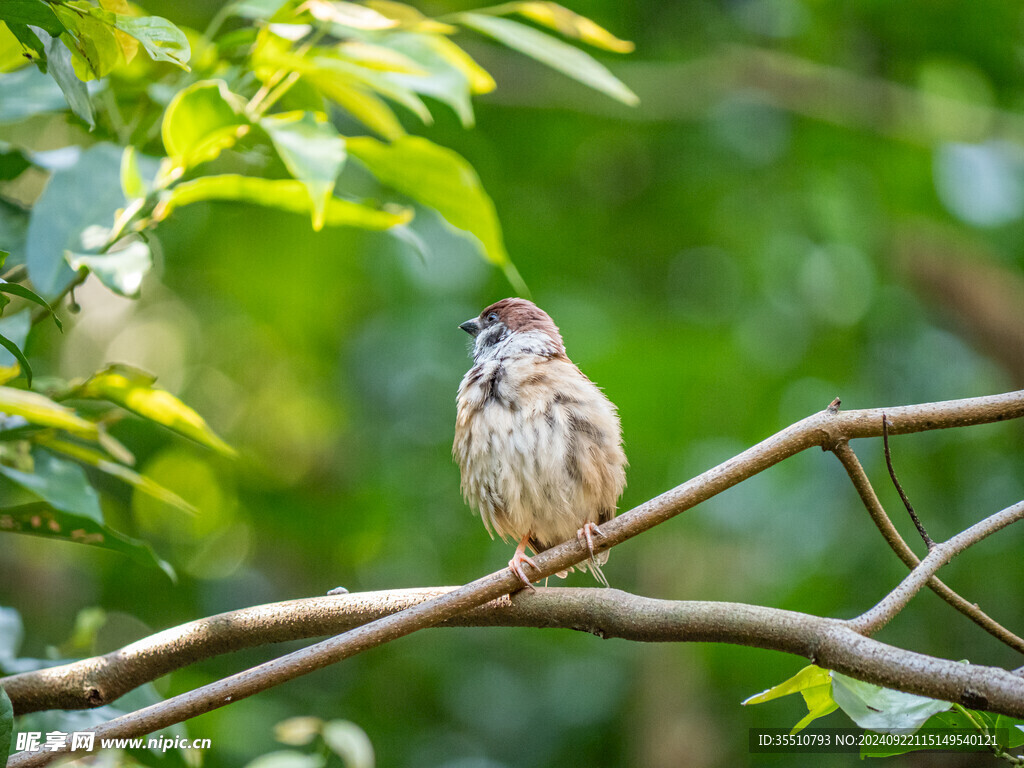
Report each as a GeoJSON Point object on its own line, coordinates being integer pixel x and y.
{"type": "Point", "coordinates": [586, 534]}
{"type": "Point", "coordinates": [516, 566]}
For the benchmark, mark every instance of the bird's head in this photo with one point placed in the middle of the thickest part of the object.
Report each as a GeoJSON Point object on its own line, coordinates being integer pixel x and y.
{"type": "Point", "coordinates": [513, 327]}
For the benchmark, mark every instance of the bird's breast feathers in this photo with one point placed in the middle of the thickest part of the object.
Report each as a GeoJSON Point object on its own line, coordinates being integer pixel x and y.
{"type": "Point", "coordinates": [539, 446]}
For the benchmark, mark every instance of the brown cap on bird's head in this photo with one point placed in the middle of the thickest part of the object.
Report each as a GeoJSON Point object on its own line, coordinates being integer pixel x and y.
{"type": "Point", "coordinates": [518, 316]}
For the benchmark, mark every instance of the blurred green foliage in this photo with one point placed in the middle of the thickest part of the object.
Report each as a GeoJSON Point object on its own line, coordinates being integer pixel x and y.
{"type": "Point", "coordinates": [810, 200]}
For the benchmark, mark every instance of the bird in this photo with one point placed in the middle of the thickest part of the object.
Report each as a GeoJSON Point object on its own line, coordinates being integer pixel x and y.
{"type": "Point", "coordinates": [538, 444]}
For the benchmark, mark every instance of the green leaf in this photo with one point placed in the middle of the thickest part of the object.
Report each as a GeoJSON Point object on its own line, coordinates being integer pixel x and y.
{"type": "Point", "coordinates": [60, 483]}
{"type": "Point", "coordinates": [27, 293]}
{"type": "Point", "coordinates": [94, 458]}
{"type": "Point", "coordinates": [15, 328]}
{"type": "Point", "coordinates": [442, 180]}
{"type": "Point", "coordinates": [810, 676]}
{"type": "Point", "coordinates": [133, 390]}
{"type": "Point", "coordinates": [201, 121]}
{"type": "Point", "coordinates": [446, 81]}
{"type": "Point", "coordinates": [11, 347]}
{"type": "Point", "coordinates": [90, 39]}
{"type": "Point", "coordinates": [132, 183]}
{"type": "Point", "coordinates": [162, 40]}
{"type": "Point", "coordinates": [86, 194]}
{"type": "Point", "coordinates": [569, 23]}
{"type": "Point", "coordinates": [313, 153]}
{"type": "Point", "coordinates": [814, 684]}
{"type": "Point", "coordinates": [41, 410]}
{"type": "Point", "coordinates": [285, 194]}
{"type": "Point", "coordinates": [34, 12]}
{"type": "Point", "coordinates": [363, 105]}
{"type": "Point", "coordinates": [58, 59]}
{"type": "Point", "coordinates": [6, 726]}
{"type": "Point", "coordinates": [549, 50]}
{"type": "Point", "coordinates": [121, 270]}
{"type": "Point", "coordinates": [30, 42]}
{"type": "Point", "coordinates": [40, 519]}
{"type": "Point", "coordinates": [881, 709]}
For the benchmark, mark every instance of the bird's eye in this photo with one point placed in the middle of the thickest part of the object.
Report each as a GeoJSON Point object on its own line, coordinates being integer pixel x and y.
{"type": "Point", "coordinates": [493, 317]}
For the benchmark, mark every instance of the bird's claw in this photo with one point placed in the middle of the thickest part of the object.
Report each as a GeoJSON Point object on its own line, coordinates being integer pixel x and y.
{"type": "Point", "coordinates": [585, 535]}
{"type": "Point", "coordinates": [516, 566]}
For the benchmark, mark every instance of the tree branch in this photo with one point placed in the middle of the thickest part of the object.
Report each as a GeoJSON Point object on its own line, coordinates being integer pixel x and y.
{"type": "Point", "coordinates": [860, 481]}
{"type": "Point", "coordinates": [938, 555]}
{"type": "Point", "coordinates": [825, 429]}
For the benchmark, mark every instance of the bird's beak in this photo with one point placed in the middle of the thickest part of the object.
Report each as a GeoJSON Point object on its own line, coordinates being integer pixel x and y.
{"type": "Point", "coordinates": [472, 327]}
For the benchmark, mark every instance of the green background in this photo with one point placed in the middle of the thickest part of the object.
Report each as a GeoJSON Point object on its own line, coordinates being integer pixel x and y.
{"type": "Point", "coordinates": [812, 200]}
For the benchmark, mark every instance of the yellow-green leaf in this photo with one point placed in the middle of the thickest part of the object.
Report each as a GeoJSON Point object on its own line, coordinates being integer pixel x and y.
{"type": "Point", "coordinates": [410, 18]}
{"type": "Point", "coordinates": [312, 151]}
{"type": "Point", "coordinates": [570, 24]}
{"type": "Point", "coordinates": [201, 121]}
{"type": "Point", "coordinates": [133, 390]}
{"type": "Point", "coordinates": [480, 80]}
{"type": "Point", "coordinates": [551, 51]}
{"type": "Point", "coordinates": [284, 194]}
{"type": "Point", "coordinates": [94, 458]}
{"type": "Point", "coordinates": [442, 179]}
{"type": "Point", "coordinates": [348, 14]}
{"type": "Point", "coordinates": [808, 677]}
{"type": "Point", "coordinates": [367, 108]}
{"type": "Point", "coordinates": [41, 410]}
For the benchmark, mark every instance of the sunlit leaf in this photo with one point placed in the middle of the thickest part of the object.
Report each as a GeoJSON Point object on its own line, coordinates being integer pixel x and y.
{"type": "Point", "coordinates": [9, 372]}
{"type": "Point", "coordinates": [129, 45]}
{"type": "Point", "coordinates": [364, 106]}
{"type": "Point", "coordinates": [569, 23]}
{"type": "Point", "coordinates": [882, 709]}
{"type": "Point", "coordinates": [377, 57]}
{"type": "Point", "coordinates": [551, 51]}
{"type": "Point", "coordinates": [447, 82]}
{"type": "Point", "coordinates": [18, 45]}
{"type": "Point", "coordinates": [162, 40]}
{"type": "Point", "coordinates": [41, 410]}
{"type": "Point", "coordinates": [91, 40]}
{"type": "Point", "coordinates": [312, 151]}
{"type": "Point", "coordinates": [94, 458]}
{"type": "Point", "coordinates": [121, 271]}
{"type": "Point", "coordinates": [443, 180]}
{"type": "Point", "coordinates": [298, 731]}
{"type": "Point", "coordinates": [133, 390]}
{"type": "Point", "coordinates": [201, 121]}
{"type": "Point", "coordinates": [348, 14]}
{"type": "Point", "coordinates": [808, 677]}
{"type": "Point", "coordinates": [60, 483]}
{"type": "Point", "coordinates": [285, 194]}
{"type": "Point", "coordinates": [40, 519]}
{"type": "Point", "coordinates": [132, 183]}
{"type": "Point", "coordinates": [480, 80]}
{"type": "Point", "coordinates": [410, 17]}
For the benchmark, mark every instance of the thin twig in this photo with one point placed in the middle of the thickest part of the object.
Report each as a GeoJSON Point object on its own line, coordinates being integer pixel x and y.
{"type": "Point", "coordinates": [876, 618]}
{"type": "Point", "coordinates": [860, 481]}
{"type": "Point", "coordinates": [824, 429]}
{"type": "Point", "coordinates": [928, 541]}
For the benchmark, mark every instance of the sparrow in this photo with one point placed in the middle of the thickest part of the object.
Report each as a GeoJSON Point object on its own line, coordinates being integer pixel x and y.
{"type": "Point", "coordinates": [538, 444]}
